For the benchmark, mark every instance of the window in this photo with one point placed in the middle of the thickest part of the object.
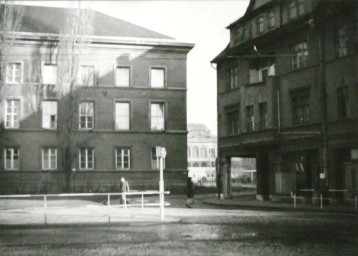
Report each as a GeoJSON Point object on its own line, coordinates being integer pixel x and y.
{"type": "Point", "coordinates": [300, 110]}
{"type": "Point", "coordinates": [263, 115]}
{"type": "Point", "coordinates": [292, 10]}
{"type": "Point", "coordinates": [189, 152]}
{"type": "Point", "coordinates": [301, 7]}
{"type": "Point", "coordinates": [122, 115]}
{"type": "Point", "coordinates": [300, 52]}
{"type": "Point", "coordinates": [49, 114]}
{"type": "Point", "coordinates": [212, 152]}
{"type": "Point", "coordinates": [250, 121]}
{"type": "Point", "coordinates": [342, 102]}
{"type": "Point", "coordinates": [49, 75]}
{"type": "Point", "coordinates": [271, 19]}
{"type": "Point", "coordinates": [12, 114]}
{"type": "Point", "coordinates": [246, 32]}
{"type": "Point", "coordinates": [155, 160]}
{"type": "Point", "coordinates": [157, 77]}
{"type": "Point", "coordinates": [157, 116]}
{"type": "Point", "coordinates": [122, 76]}
{"type": "Point", "coordinates": [13, 73]}
{"type": "Point", "coordinates": [86, 75]}
{"type": "Point", "coordinates": [195, 152]}
{"type": "Point", "coordinates": [11, 158]}
{"type": "Point", "coordinates": [263, 74]}
{"type": "Point", "coordinates": [86, 115]}
{"type": "Point", "coordinates": [86, 158]}
{"type": "Point", "coordinates": [123, 158]}
{"type": "Point", "coordinates": [239, 34]}
{"type": "Point", "coordinates": [233, 81]}
{"type": "Point", "coordinates": [49, 159]}
{"type": "Point", "coordinates": [233, 123]}
{"type": "Point", "coordinates": [260, 24]}
{"type": "Point", "coordinates": [203, 152]}
{"type": "Point", "coordinates": [341, 41]}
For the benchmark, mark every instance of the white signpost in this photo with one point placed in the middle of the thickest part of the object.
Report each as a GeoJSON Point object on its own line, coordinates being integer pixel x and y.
{"type": "Point", "coordinates": [161, 153]}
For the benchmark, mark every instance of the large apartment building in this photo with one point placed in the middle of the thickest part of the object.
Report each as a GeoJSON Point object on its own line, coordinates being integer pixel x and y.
{"type": "Point", "coordinates": [125, 96]}
{"type": "Point", "coordinates": [288, 96]}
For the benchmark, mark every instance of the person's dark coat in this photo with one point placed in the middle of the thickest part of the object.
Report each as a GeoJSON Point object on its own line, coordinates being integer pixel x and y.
{"type": "Point", "coordinates": [189, 188]}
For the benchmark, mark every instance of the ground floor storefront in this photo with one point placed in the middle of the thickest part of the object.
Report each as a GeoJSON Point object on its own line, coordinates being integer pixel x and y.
{"type": "Point", "coordinates": [297, 166]}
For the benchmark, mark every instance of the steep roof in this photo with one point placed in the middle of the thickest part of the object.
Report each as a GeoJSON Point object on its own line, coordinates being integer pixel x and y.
{"type": "Point", "coordinates": [38, 19]}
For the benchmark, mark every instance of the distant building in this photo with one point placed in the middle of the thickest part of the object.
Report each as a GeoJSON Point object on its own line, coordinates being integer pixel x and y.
{"type": "Point", "coordinates": [202, 152]}
{"type": "Point", "coordinates": [287, 96]}
{"type": "Point", "coordinates": [129, 96]}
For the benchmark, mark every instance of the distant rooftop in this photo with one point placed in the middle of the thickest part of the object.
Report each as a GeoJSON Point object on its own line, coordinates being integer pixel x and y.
{"type": "Point", "coordinates": [37, 19]}
{"type": "Point", "coordinates": [199, 131]}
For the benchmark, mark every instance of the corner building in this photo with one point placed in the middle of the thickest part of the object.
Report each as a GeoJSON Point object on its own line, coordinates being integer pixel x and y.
{"type": "Point", "coordinates": [288, 96]}
{"type": "Point", "coordinates": [128, 98]}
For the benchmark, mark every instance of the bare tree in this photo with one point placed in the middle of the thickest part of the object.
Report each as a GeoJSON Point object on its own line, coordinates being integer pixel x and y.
{"type": "Point", "coordinates": [10, 22]}
{"type": "Point", "coordinates": [73, 41]}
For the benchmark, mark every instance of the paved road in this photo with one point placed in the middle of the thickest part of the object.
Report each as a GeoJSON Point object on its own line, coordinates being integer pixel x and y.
{"type": "Point", "coordinates": [201, 232]}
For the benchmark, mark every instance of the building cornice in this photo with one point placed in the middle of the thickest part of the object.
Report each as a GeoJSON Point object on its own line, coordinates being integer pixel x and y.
{"type": "Point", "coordinates": [102, 39]}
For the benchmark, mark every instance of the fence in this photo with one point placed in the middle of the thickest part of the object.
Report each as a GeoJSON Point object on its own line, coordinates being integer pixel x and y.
{"type": "Point", "coordinates": [321, 197]}
{"type": "Point", "coordinates": [107, 196]}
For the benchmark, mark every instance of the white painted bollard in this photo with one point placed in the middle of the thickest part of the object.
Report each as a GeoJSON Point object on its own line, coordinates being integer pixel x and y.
{"type": "Point", "coordinates": [45, 208]}
{"type": "Point", "coordinates": [125, 200]}
{"type": "Point", "coordinates": [142, 201]}
{"type": "Point", "coordinates": [108, 207]}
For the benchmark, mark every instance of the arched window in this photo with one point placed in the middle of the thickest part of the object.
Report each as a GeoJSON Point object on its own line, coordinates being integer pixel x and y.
{"type": "Point", "coordinates": [195, 164]}
{"type": "Point", "coordinates": [195, 152]}
{"type": "Point", "coordinates": [203, 152]}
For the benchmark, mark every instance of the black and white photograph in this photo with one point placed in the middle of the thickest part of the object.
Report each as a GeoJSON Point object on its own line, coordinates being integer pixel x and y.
{"type": "Point", "coordinates": [179, 127]}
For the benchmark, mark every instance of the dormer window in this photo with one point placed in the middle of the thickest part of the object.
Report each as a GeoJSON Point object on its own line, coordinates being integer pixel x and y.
{"type": "Point", "coordinates": [260, 24]}
{"type": "Point", "coordinates": [292, 10]}
{"type": "Point", "coordinates": [300, 7]}
{"type": "Point", "coordinates": [246, 32]}
{"type": "Point", "coordinates": [271, 19]}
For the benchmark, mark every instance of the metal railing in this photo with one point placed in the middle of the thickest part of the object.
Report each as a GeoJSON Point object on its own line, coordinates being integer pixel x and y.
{"type": "Point", "coordinates": [108, 196]}
{"type": "Point", "coordinates": [321, 198]}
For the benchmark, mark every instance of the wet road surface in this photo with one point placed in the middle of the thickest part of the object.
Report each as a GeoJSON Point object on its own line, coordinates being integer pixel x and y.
{"type": "Point", "coordinates": [204, 232]}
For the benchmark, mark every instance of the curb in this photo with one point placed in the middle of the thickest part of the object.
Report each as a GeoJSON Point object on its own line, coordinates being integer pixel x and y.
{"type": "Point", "coordinates": [277, 208]}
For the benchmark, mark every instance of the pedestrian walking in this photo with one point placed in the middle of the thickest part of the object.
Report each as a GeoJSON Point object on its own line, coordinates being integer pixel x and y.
{"type": "Point", "coordinates": [189, 193]}
{"type": "Point", "coordinates": [124, 186]}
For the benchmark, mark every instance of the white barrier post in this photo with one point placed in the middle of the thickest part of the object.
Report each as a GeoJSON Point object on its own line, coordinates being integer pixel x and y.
{"type": "Point", "coordinates": [109, 210]}
{"type": "Point", "coordinates": [142, 200]}
{"type": "Point", "coordinates": [45, 208]}
{"type": "Point", "coordinates": [125, 200]}
{"type": "Point", "coordinates": [321, 201]}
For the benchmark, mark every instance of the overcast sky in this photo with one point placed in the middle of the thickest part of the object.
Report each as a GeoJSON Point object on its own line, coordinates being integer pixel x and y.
{"type": "Point", "coordinates": [200, 22]}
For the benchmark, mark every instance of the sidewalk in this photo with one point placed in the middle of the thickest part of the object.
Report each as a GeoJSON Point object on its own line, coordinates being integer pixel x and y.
{"type": "Point", "coordinates": [64, 212]}
{"type": "Point", "coordinates": [248, 201]}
